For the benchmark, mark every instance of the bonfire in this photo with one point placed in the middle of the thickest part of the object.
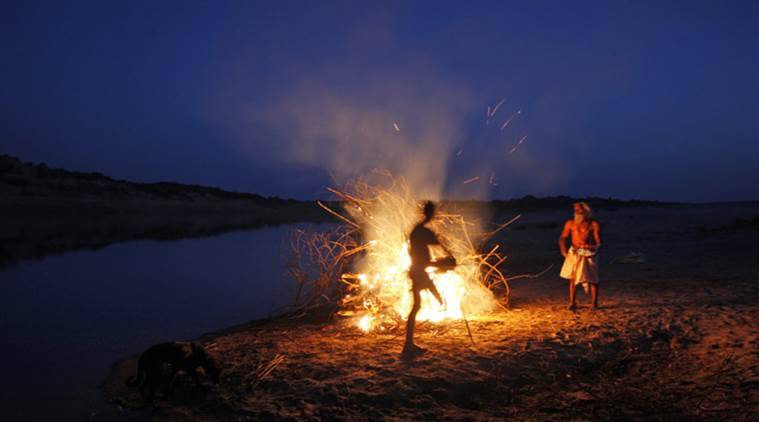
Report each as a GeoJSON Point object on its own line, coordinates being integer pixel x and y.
{"type": "Point", "coordinates": [361, 265]}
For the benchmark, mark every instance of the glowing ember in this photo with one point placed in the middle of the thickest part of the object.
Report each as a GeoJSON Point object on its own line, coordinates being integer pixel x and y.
{"type": "Point", "coordinates": [365, 323]}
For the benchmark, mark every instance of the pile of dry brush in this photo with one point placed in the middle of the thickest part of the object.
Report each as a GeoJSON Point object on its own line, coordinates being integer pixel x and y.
{"type": "Point", "coordinates": [323, 261]}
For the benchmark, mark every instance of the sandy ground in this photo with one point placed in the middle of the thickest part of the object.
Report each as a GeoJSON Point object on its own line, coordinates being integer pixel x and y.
{"type": "Point", "coordinates": [676, 338]}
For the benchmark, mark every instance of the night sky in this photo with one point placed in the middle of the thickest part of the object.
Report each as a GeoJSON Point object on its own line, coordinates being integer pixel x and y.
{"type": "Point", "coordinates": [641, 99]}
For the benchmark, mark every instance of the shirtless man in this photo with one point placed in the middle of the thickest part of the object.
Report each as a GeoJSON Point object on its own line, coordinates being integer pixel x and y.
{"type": "Point", "coordinates": [420, 240]}
{"type": "Point", "coordinates": [580, 263]}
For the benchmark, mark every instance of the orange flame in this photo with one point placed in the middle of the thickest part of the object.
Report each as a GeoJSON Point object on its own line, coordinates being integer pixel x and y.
{"type": "Point", "coordinates": [382, 278]}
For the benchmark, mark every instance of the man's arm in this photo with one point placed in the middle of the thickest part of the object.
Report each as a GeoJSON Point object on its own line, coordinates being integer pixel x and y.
{"type": "Point", "coordinates": [563, 238]}
{"type": "Point", "coordinates": [436, 241]}
{"type": "Point", "coordinates": [439, 243]}
{"type": "Point", "coordinates": [596, 228]}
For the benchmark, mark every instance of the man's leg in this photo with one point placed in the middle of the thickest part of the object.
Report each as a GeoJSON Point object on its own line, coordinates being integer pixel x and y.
{"type": "Point", "coordinates": [594, 294]}
{"type": "Point", "coordinates": [411, 321]}
{"type": "Point", "coordinates": [572, 290]}
{"type": "Point", "coordinates": [435, 293]}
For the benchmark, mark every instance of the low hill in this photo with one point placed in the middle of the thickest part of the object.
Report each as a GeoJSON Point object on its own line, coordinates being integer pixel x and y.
{"type": "Point", "coordinates": [29, 180]}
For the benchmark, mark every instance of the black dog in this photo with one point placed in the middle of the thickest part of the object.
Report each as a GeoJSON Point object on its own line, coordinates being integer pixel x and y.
{"type": "Point", "coordinates": [161, 363]}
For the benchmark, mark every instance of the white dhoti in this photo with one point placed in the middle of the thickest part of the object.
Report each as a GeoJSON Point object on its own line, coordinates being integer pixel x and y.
{"type": "Point", "coordinates": [581, 266]}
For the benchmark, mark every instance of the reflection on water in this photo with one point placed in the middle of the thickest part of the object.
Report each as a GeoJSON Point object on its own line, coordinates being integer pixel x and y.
{"type": "Point", "coordinates": [66, 319]}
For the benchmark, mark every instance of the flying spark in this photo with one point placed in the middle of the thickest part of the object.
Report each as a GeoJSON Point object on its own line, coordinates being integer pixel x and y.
{"type": "Point", "coordinates": [395, 125]}
{"type": "Point", "coordinates": [492, 113]}
{"type": "Point", "coordinates": [518, 144]}
{"type": "Point", "coordinates": [472, 180]}
{"type": "Point", "coordinates": [506, 123]}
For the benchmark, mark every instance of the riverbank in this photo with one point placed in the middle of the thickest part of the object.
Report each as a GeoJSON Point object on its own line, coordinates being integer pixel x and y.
{"type": "Point", "coordinates": [676, 339]}
{"type": "Point", "coordinates": [669, 356]}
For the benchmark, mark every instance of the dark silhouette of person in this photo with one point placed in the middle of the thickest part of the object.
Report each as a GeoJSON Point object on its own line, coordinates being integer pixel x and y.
{"type": "Point", "coordinates": [420, 239]}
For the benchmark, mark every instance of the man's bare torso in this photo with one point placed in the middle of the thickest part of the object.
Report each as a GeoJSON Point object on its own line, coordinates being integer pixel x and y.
{"type": "Point", "coordinates": [420, 240]}
{"type": "Point", "coordinates": [584, 234]}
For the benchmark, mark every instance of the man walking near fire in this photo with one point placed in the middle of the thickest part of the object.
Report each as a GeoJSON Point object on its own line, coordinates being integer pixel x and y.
{"type": "Point", "coordinates": [420, 239]}
{"type": "Point", "coordinates": [580, 263]}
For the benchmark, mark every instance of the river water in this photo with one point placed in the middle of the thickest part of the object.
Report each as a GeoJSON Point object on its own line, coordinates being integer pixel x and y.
{"type": "Point", "coordinates": [65, 319]}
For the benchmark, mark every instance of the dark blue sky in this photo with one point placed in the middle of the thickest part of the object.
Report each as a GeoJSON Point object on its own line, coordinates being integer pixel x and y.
{"type": "Point", "coordinates": [653, 100]}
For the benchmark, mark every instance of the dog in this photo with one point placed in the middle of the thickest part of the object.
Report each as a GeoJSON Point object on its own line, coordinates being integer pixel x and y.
{"type": "Point", "coordinates": [161, 363]}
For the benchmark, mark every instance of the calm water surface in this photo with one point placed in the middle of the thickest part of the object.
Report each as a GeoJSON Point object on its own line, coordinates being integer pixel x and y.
{"type": "Point", "coordinates": [64, 320]}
